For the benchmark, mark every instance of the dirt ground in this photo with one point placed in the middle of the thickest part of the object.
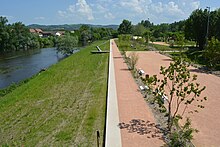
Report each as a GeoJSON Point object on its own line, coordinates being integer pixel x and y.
{"type": "Point", "coordinates": [207, 121]}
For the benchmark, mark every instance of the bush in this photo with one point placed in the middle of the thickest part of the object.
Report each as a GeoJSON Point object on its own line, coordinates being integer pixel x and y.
{"type": "Point", "coordinates": [212, 53]}
{"type": "Point", "coordinates": [182, 136]}
{"type": "Point", "coordinates": [133, 58]}
{"type": "Point", "coordinates": [67, 43]}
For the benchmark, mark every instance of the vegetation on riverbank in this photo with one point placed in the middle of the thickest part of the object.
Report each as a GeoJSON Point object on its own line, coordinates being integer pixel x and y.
{"type": "Point", "coordinates": [16, 37]}
{"type": "Point", "coordinates": [63, 105]}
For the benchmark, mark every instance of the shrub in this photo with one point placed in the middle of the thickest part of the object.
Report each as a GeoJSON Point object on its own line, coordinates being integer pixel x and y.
{"type": "Point", "coordinates": [133, 58]}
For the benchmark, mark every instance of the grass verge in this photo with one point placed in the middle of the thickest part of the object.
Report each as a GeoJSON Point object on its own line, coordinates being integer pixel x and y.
{"type": "Point", "coordinates": [132, 45]}
{"type": "Point", "coordinates": [63, 106]}
{"type": "Point", "coordinates": [165, 48]}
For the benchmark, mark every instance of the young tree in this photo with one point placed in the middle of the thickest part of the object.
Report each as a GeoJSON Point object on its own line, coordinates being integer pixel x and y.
{"type": "Point", "coordinates": [178, 87]}
{"type": "Point", "coordinates": [133, 58]}
{"type": "Point", "coordinates": [182, 136]}
{"type": "Point", "coordinates": [180, 40]}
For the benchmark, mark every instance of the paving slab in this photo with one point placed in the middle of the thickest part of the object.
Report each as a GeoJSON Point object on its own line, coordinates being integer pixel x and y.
{"type": "Point", "coordinates": [137, 123]}
{"type": "Point", "coordinates": [207, 121]}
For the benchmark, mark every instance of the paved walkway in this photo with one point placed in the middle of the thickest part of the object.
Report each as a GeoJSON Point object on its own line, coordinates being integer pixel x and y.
{"type": "Point", "coordinates": [136, 121]}
{"type": "Point", "coordinates": [113, 135]}
{"type": "Point", "coordinates": [207, 121]}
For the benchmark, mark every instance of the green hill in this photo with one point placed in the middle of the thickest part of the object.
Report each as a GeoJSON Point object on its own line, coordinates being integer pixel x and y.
{"type": "Point", "coordinates": [69, 27]}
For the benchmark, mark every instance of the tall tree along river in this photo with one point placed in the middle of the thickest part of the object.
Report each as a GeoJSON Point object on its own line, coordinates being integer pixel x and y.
{"type": "Point", "coordinates": [23, 65]}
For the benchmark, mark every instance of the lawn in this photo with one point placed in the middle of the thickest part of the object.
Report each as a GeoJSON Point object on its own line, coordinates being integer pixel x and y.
{"type": "Point", "coordinates": [164, 48]}
{"type": "Point", "coordinates": [135, 45]}
{"type": "Point", "coordinates": [62, 106]}
{"type": "Point", "coordinates": [132, 45]}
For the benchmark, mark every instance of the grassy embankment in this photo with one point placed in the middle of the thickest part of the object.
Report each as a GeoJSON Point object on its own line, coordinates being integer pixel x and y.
{"type": "Point", "coordinates": [63, 106]}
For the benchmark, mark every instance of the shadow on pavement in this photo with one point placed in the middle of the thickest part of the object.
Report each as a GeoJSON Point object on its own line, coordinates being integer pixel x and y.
{"type": "Point", "coordinates": [197, 70]}
{"type": "Point", "coordinates": [118, 57]}
{"type": "Point", "coordinates": [125, 69]}
{"type": "Point", "coordinates": [167, 60]}
{"type": "Point", "coordinates": [142, 127]}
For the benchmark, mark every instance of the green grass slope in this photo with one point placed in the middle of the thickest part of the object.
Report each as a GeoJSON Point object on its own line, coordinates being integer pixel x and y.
{"type": "Point", "coordinates": [63, 106]}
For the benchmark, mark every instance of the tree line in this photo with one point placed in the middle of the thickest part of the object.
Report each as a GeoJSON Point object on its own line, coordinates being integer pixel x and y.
{"type": "Point", "coordinates": [16, 36]}
{"type": "Point", "coordinates": [200, 24]}
{"type": "Point", "coordinates": [200, 28]}
{"type": "Point", "coordinates": [83, 36]}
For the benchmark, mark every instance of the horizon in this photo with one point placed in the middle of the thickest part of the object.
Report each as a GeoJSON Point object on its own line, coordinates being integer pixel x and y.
{"type": "Point", "coordinates": [100, 12]}
{"type": "Point", "coordinates": [74, 24]}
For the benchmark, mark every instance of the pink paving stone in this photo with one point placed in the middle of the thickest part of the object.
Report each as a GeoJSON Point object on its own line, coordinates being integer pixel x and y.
{"type": "Point", "coordinates": [207, 121]}
{"type": "Point", "coordinates": [131, 106]}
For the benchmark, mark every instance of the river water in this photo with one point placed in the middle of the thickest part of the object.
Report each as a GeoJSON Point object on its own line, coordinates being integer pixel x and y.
{"type": "Point", "coordinates": [23, 65]}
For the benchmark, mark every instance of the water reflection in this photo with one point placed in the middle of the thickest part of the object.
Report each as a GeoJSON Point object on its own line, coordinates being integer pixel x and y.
{"type": "Point", "coordinates": [14, 69]}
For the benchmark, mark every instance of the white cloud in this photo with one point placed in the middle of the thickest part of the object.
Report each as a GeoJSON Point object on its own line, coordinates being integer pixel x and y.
{"type": "Point", "coordinates": [71, 8]}
{"type": "Point", "coordinates": [39, 18]}
{"type": "Point", "coordinates": [195, 5]}
{"type": "Point", "coordinates": [84, 9]}
{"type": "Point", "coordinates": [100, 8]}
{"type": "Point", "coordinates": [62, 14]}
{"type": "Point", "coordinates": [113, 11]}
{"type": "Point", "coordinates": [158, 8]}
{"type": "Point", "coordinates": [102, 11]}
{"type": "Point", "coordinates": [109, 15]}
{"type": "Point", "coordinates": [80, 10]}
{"type": "Point", "coordinates": [138, 6]}
{"type": "Point", "coordinates": [173, 9]}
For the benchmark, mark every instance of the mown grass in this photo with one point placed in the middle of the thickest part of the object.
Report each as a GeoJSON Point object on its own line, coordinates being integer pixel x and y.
{"type": "Point", "coordinates": [192, 55]}
{"type": "Point", "coordinates": [132, 45]}
{"type": "Point", "coordinates": [63, 106]}
{"type": "Point", "coordinates": [164, 48]}
{"type": "Point", "coordinates": [195, 56]}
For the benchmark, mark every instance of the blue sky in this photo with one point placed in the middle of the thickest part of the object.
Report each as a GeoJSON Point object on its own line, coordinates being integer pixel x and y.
{"type": "Point", "coordinates": [100, 11]}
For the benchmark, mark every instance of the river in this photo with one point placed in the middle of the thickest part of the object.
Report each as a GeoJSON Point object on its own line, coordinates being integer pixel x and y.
{"type": "Point", "coordinates": [23, 65]}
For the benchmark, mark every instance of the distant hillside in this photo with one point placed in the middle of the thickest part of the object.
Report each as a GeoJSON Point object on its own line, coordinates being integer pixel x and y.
{"type": "Point", "coordinates": [69, 27]}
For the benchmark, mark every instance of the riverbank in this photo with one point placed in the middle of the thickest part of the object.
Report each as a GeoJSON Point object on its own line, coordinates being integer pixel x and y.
{"type": "Point", "coordinates": [63, 105]}
{"type": "Point", "coordinates": [14, 69]}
